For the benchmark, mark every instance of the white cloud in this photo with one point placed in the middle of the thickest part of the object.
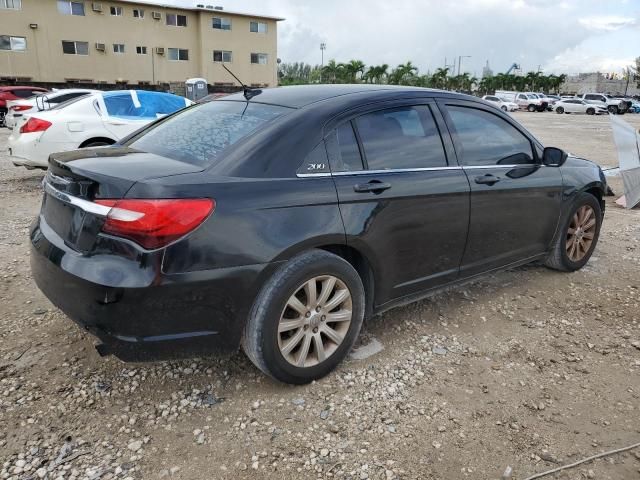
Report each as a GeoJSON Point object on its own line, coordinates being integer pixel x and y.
{"type": "Point", "coordinates": [561, 36]}
{"type": "Point", "coordinates": [607, 23]}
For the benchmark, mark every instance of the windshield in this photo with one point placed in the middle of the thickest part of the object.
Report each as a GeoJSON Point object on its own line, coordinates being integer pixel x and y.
{"type": "Point", "coordinates": [199, 134]}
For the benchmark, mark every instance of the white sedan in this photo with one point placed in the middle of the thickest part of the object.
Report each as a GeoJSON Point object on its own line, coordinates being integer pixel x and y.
{"type": "Point", "coordinates": [89, 121]}
{"type": "Point", "coordinates": [17, 110]}
{"type": "Point", "coordinates": [576, 105]}
{"type": "Point", "coordinates": [505, 106]}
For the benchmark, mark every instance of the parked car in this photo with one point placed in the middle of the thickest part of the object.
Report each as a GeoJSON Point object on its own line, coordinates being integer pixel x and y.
{"type": "Point", "coordinates": [614, 105]}
{"type": "Point", "coordinates": [505, 106]}
{"type": "Point", "coordinates": [526, 101]}
{"type": "Point", "coordinates": [89, 121]}
{"type": "Point", "coordinates": [550, 99]}
{"type": "Point", "coordinates": [15, 93]}
{"type": "Point", "coordinates": [17, 110]}
{"type": "Point", "coordinates": [575, 105]}
{"type": "Point", "coordinates": [279, 221]}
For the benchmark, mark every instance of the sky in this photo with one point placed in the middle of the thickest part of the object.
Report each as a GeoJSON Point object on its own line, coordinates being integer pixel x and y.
{"type": "Point", "coordinates": [556, 36]}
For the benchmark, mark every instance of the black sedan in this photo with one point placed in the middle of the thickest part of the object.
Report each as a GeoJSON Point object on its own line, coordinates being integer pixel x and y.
{"type": "Point", "coordinates": [279, 220]}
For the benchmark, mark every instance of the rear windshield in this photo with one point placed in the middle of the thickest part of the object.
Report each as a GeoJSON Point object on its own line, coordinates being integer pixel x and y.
{"type": "Point", "coordinates": [200, 133]}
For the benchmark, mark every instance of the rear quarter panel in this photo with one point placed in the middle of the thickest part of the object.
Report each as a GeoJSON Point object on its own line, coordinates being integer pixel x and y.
{"type": "Point", "coordinates": [256, 221]}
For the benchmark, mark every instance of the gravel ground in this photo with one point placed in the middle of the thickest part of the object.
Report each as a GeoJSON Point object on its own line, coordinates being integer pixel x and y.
{"type": "Point", "coordinates": [526, 369]}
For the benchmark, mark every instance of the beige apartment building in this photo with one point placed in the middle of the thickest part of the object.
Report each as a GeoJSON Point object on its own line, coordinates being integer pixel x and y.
{"type": "Point", "coordinates": [113, 41]}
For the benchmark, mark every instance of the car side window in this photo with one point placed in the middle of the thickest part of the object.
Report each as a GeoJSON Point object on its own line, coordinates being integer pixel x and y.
{"type": "Point", "coordinates": [349, 159]}
{"type": "Point", "coordinates": [398, 138]}
{"type": "Point", "coordinates": [484, 139]}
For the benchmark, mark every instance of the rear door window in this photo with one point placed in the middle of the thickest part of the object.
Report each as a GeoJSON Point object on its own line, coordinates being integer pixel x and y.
{"type": "Point", "coordinates": [401, 138]}
{"type": "Point", "coordinates": [350, 159]}
{"type": "Point", "coordinates": [200, 134]}
{"type": "Point", "coordinates": [484, 139]}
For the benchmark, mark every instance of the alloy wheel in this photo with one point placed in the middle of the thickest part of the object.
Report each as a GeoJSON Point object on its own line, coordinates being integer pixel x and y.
{"type": "Point", "coordinates": [315, 321]}
{"type": "Point", "coordinates": [581, 233]}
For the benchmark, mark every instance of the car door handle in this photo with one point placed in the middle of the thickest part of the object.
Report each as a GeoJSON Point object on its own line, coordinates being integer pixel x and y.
{"type": "Point", "coordinates": [487, 179]}
{"type": "Point", "coordinates": [115, 122]}
{"type": "Point", "coordinates": [374, 186]}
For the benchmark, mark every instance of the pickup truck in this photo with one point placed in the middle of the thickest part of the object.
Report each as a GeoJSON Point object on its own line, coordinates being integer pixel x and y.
{"type": "Point", "coordinates": [614, 105]}
{"type": "Point", "coordinates": [526, 101]}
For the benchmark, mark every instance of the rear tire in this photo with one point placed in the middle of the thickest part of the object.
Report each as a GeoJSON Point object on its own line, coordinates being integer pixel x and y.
{"type": "Point", "coordinates": [591, 111]}
{"type": "Point", "coordinates": [274, 325]}
{"type": "Point", "coordinates": [503, 108]}
{"type": "Point", "coordinates": [578, 235]}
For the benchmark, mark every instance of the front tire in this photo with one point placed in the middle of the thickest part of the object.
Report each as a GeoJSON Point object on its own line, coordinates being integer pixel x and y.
{"type": "Point", "coordinates": [613, 109]}
{"type": "Point", "coordinates": [306, 318]}
{"type": "Point", "coordinates": [560, 110]}
{"type": "Point", "coordinates": [531, 108]}
{"type": "Point", "coordinates": [504, 108]}
{"type": "Point", "coordinates": [591, 111]}
{"type": "Point", "coordinates": [578, 236]}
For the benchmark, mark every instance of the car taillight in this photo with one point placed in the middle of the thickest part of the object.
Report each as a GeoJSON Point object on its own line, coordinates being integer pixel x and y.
{"type": "Point", "coordinates": [155, 223]}
{"type": "Point", "coordinates": [20, 108]}
{"type": "Point", "coordinates": [35, 125]}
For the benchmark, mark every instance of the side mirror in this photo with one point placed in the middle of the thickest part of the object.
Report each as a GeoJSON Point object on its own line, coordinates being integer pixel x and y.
{"type": "Point", "coordinates": [554, 157]}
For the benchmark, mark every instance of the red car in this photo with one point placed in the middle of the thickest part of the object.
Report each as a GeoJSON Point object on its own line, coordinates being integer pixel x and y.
{"type": "Point", "coordinates": [16, 93]}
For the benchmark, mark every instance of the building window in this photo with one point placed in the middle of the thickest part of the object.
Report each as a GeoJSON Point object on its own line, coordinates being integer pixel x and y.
{"type": "Point", "coordinates": [11, 4]}
{"type": "Point", "coordinates": [118, 48]}
{"type": "Point", "coordinates": [141, 50]}
{"type": "Point", "coordinates": [75, 48]}
{"type": "Point", "coordinates": [138, 13]}
{"type": "Point", "coordinates": [70, 8]}
{"type": "Point", "coordinates": [16, 44]}
{"type": "Point", "coordinates": [176, 20]}
{"type": "Point", "coordinates": [178, 54]}
{"type": "Point", "coordinates": [222, 56]}
{"type": "Point", "coordinates": [116, 11]}
{"type": "Point", "coordinates": [259, 58]}
{"type": "Point", "coordinates": [222, 23]}
{"type": "Point", "coordinates": [258, 27]}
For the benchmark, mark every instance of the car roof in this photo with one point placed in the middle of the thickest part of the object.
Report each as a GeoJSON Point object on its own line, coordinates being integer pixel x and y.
{"type": "Point", "coordinates": [299, 96]}
{"type": "Point", "coordinates": [10, 87]}
{"type": "Point", "coordinates": [115, 93]}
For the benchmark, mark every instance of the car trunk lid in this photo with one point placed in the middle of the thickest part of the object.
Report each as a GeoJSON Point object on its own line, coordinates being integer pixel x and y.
{"type": "Point", "coordinates": [77, 179]}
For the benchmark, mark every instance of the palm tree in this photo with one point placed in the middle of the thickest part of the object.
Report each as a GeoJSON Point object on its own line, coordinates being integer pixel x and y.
{"type": "Point", "coordinates": [404, 74]}
{"type": "Point", "coordinates": [376, 74]}
{"type": "Point", "coordinates": [352, 69]}
{"type": "Point", "coordinates": [439, 77]}
{"type": "Point", "coordinates": [331, 72]}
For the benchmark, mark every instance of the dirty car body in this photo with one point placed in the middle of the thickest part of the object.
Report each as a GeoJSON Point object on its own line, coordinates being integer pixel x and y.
{"type": "Point", "coordinates": [315, 167]}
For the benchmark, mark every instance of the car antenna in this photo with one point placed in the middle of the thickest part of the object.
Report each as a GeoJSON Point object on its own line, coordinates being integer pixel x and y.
{"type": "Point", "coordinates": [248, 92]}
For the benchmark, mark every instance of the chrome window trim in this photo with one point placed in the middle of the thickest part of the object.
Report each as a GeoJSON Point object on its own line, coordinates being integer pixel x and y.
{"type": "Point", "coordinates": [406, 170]}
{"type": "Point", "coordinates": [84, 205]}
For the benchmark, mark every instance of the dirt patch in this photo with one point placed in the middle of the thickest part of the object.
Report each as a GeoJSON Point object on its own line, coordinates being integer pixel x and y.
{"type": "Point", "coordinates": [528, 368]}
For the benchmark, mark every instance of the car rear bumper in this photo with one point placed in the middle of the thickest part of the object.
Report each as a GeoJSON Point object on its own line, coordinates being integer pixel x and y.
{"type": "Point", "coordinates": [156, 316]}
{"type": "Point", "coordinates": [28, 150]}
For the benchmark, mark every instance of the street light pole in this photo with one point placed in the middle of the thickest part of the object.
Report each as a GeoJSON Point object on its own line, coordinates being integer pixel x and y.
{"type": "Point", "coordinates": [323, 47]}
{"type": "Point", "coordinates": [460, 62]}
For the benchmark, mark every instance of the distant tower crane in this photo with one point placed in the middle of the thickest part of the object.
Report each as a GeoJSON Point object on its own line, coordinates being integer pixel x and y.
{"type": "Point", "coordinates": [513, 67]}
